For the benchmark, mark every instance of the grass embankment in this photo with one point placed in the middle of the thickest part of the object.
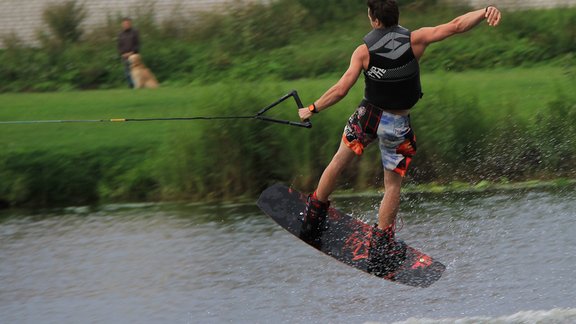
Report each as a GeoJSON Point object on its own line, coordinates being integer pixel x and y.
{"type": "Point", "coordinates": [503, 122]}
{"type": "Point", "coordinates": [499, 125]}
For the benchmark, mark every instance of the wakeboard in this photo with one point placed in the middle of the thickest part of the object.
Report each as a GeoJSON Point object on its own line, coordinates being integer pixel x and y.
{"type": "Point", "coordinates": [347, 239]}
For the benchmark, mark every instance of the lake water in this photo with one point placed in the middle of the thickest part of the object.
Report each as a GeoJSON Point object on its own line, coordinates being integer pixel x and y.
{"type": "Point", "coordinates": [511, 258]}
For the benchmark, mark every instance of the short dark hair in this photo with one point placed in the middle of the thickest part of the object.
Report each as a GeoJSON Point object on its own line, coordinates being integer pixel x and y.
{"type": "Point", "coordinates": [384, 10]}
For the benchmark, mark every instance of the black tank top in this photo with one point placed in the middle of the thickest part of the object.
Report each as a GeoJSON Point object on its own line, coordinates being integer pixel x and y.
{"type": "Point", "coordinates": [393, 75]}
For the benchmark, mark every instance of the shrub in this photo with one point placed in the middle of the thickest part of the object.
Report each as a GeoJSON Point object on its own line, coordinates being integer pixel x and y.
{"type": "Point", "coordinates": [554, 134]}
{"type": "Point", "coordinates": [322, 11]}
{"type": "Point", "coordinates": [64, 20]}
{"type": "Point", "coordinates": [279, 41]}
{"type": "Point", "coordinates": [256, 28]}
{"type": "Point", "coordinates": [43, 178]}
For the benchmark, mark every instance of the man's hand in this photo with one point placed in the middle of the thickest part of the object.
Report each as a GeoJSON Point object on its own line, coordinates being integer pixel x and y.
{"type": "Point", "coordinates": [304, 113]}
{"type": "Point", "coordinates": [126, 55]}
{"type": "Point", "coordinates": [492, 16]}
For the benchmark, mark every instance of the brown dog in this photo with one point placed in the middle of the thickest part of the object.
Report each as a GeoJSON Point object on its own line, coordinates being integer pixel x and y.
{"type": "Point", "coordinates": [141, 75]}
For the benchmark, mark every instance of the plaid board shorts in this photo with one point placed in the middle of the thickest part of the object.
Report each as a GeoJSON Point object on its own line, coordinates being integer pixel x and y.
{"type": "Point", "coordinates": [394, 133]}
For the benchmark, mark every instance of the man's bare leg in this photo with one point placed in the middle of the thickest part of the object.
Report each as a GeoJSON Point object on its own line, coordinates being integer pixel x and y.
{"type": "Point", "coordinates": [329, 178]}
{"type": "Point", "coordinates": [391, 200]}
{"type": "Point", "coordinates": [386, 254]}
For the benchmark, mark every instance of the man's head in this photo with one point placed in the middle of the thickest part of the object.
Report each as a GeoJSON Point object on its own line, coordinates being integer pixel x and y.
{"type": "Point", "coordinates": [126, 23]}
{"type": "Point", "coordinates": [386, 11]}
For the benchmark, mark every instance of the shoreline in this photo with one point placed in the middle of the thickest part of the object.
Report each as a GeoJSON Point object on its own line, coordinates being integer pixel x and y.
{"type": "Point", "coordinates": [430, 189]}
{"type": "Point", "coordinates": [457, 187]}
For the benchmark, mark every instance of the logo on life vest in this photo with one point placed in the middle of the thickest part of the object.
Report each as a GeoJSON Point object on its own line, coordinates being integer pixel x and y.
{"type": "Point", "coordinates": [376, 72]}
{"type": "Point", "coordinates": [391, 46]}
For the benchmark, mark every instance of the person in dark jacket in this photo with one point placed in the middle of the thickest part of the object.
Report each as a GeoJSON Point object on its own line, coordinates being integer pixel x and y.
{"type": "Point", "coordinates": [128, 44]}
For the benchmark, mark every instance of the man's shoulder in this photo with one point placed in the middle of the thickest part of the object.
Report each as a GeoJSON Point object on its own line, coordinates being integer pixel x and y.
{"type": "Point", "coordinates": [420, 34]}
{"type": "Point", "coordinates": [361, 51]}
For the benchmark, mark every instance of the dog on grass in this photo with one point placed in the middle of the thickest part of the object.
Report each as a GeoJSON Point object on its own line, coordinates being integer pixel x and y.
{"type": "Point", "coordinates": [141, 75]}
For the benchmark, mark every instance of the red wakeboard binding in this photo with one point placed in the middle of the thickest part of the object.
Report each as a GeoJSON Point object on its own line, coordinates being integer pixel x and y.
{"type": "Point", "coordinates": [386, 253]}
{"type": "Point", "coordinates": [313, 221]}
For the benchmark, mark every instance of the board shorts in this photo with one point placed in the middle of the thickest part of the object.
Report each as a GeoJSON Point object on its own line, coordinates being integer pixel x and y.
{"type": "Point", "coordinates": [394, 133]}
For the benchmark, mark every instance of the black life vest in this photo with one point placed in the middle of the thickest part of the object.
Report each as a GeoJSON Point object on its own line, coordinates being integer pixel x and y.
{"type": "Point", "coordinates": [393, 75]}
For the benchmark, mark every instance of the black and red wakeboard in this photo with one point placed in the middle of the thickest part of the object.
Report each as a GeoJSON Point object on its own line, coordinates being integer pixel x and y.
{"type": "Point", "coordinates": [346, 239]}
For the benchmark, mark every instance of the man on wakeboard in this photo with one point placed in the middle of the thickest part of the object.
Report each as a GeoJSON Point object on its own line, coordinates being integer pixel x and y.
{"type": "Point", "coordinates": [389, 59]}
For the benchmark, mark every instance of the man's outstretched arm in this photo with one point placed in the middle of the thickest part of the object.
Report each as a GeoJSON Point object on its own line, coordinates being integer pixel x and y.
{"type": "Point", "coordinates": [423, 37]}
{"type": "Point", "coordinates": [339, 90]}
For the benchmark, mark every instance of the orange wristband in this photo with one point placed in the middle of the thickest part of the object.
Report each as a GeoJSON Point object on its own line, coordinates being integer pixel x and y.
{"type": "Point", "coordinates": [313, 109]}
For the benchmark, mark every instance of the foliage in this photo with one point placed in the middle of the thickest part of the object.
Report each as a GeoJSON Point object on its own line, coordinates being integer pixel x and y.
{"type": "Point", "coordinates": [322, 11]}
{"type": "Point", "coordinates": [521, 40]}
{"type": "Point", "coordinates": [64, 21]}
{"type": "Point", "coordinates": [42, 178]}
{"type": "Point", "coordinates": [285, 40]}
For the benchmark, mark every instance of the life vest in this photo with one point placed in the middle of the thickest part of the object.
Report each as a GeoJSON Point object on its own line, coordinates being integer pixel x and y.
{"type": "Point", "coordinates": [393, 74]}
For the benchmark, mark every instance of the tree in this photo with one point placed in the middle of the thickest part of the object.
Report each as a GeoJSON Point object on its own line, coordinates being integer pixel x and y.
{"type": "Point", "coordinates": [64, 20]}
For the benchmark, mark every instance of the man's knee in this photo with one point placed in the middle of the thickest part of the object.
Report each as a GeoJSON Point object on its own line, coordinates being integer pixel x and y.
{"type": "Point", "coordinates": [392, 180]}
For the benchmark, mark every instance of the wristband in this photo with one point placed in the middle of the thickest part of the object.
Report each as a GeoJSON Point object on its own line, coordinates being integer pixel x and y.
{"type": "Point", "coordinates": [313, 109]}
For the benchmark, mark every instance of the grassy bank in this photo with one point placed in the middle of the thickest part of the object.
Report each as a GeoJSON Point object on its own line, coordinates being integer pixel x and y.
{"type": "Point", "coordinates": [499, 125]}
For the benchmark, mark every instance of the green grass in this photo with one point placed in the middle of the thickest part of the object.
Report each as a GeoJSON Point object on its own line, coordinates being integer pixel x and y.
{"type": "Point", "coordinates": [500, 92]}
{"type": "Point", "coordinates": [524, 91]}
{"type": "Point", "coordinates": [463, 124]}
{"type": "Point", "coordinates": [99, 104]}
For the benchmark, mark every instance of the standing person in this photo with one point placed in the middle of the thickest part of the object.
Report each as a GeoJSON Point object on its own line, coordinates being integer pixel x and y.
{"type": "Point", "coordinates": [389, 59]}
{"type": "Point", "coordinates": [128, 44]}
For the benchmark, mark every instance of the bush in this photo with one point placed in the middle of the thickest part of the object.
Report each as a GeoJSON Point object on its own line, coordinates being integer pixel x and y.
{"type": "Point", "coordinates": [64, 21]}
{"type": "Point", "coordinates": [282, 41]}
{"type": "Point", "coordinates": [42, 178]}
{"type": "Point", "coordinates": [553, 135]}
{"type": "Point", "coordinates": [552, 39]}
{"type": "Point", "coordinates": [322, 11]}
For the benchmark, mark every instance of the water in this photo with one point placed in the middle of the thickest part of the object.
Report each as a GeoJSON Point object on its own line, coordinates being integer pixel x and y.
{"type": "Point", "coordinates": [510, 257]}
